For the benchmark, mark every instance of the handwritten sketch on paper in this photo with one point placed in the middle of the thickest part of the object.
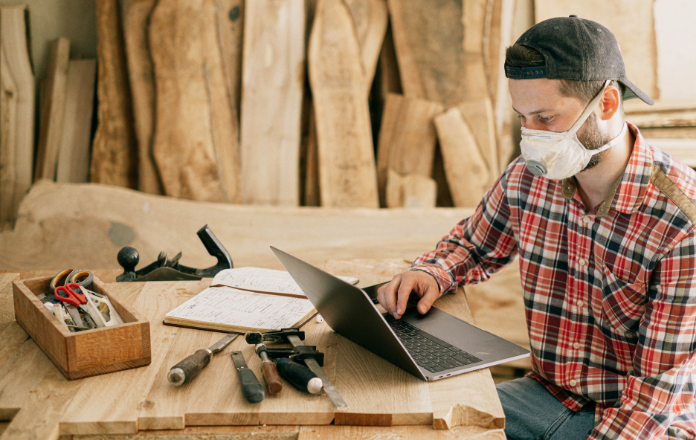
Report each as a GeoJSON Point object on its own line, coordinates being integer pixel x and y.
{"type": "Point", "coordinates": [229, 309]}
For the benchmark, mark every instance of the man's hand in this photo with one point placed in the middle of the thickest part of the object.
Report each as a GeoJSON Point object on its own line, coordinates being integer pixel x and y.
{"type": "Point", "coordinates": [394, 295]}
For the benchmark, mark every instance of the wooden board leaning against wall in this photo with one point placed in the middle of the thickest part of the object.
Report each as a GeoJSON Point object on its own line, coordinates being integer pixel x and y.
{"type": "Point", "coordinates": [17, 107]}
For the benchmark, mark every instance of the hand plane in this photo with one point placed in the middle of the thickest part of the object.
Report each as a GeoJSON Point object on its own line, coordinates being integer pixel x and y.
{"type": "Point", "coordinates": [166, 269]}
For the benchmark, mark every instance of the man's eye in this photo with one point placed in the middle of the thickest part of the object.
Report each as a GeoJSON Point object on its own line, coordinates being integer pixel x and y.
{"type": "Point", "coordinates": [545, 118]}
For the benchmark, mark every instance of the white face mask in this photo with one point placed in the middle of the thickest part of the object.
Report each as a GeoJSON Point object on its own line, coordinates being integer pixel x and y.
{"type": "Point", "coordinates": [560, 155]}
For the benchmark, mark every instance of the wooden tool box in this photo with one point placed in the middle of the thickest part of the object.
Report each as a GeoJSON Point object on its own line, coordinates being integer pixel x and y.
{"type": "Point", "coordinates": [85, 353]}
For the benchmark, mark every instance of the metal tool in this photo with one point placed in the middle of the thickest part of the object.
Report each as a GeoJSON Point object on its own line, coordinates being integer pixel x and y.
{"type": "Point", "coordinates": [71, 294]}
{"type": "Point", "coordinates": [299, 376]}
{"type": "Point", "coordinates": [303, 353]}
{"type": "Point", "coordinates": [251, 388]}
{"type": "Point", "coordinates": [166, 269]}
{"type": "Point", "coordinates": [187, 369]}
{"type": "Point", "coordinates": [270, 373]}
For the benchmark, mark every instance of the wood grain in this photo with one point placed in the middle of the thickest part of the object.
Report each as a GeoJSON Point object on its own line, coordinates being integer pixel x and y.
{"type": "Point", "coordinates": [475, 79]}
{"type": "Point", "coordinates": [75, 140]}
{"type": "Point", "coordinates": [8, 135]}
{"type": "Point", "coordinates": [428, 36]}
{"type": "Point", "coordinates": [636, 36]}
{"type": "Point", "coordinates": [184, 145]}
{"type": "Point", "coordinates": [407, 138]}
{"type": "Point", "coordinates": [346, 159]}
{"type": "Point", "coordinates": [136, 19]}
{"type": "Point", "coordinates": [53, 110]}
{"type": "Point", "coordinates": [410, 191]}
{"type": "Point", "coordinates": [272, 84]}
{"type": "Point", "coordinates": [467, 172]}
{"type": "Point", "coordinates": [13, 37]}
{"type": "Point", "coordinates": [114, 150]}
{"type": "Point", "coordinates": [370, 18]}
{"type": "Point", "coordinates": [230, 27]}
{"type": "Point", "coordinates": [397, 432]}
{"type": "Point", "coordinates": [479, 115]}
{"type": "Point", "coordinates": [6, 302]}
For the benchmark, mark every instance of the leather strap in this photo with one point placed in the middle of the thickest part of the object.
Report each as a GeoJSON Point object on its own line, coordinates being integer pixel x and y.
{"type": "Point", "coordinates": [675, 194]}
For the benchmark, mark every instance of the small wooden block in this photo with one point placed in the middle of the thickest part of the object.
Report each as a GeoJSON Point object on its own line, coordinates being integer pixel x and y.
{"type": "Point", "coordinates": [410, 191]}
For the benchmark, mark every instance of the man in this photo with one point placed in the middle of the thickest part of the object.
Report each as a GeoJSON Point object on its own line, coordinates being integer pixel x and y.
{"type": "Point", "coordinates": [603, 225]}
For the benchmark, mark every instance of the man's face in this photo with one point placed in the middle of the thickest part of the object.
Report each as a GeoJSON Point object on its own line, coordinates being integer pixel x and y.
{"type": "Point", "coordinates": [541, 106]}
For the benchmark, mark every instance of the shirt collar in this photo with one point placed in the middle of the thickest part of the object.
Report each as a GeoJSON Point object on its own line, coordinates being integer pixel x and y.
{"type": "Point", "coordinates": [628, 192]}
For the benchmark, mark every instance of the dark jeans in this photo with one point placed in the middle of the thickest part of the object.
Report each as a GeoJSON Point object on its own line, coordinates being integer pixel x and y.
{"type": "Point", "coordinates": [533, 413]}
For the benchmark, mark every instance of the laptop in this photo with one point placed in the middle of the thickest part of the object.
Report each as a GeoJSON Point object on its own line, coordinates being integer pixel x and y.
{"type": "Point", "coordinates": [431, 346]}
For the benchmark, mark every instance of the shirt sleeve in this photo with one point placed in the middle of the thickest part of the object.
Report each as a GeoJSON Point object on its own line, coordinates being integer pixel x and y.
{"type": "Point", "coordinates": [477, 246]}
{"type": "Point", "coordinates": [661, 386]}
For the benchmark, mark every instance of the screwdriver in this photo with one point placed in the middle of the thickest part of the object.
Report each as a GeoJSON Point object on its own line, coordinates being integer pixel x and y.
{"type": "Point", "coordinates": [187, 369]}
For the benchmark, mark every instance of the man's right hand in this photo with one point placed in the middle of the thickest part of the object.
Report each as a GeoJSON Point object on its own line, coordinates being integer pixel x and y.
{"type": "Point", "coordinates": [394, 295]}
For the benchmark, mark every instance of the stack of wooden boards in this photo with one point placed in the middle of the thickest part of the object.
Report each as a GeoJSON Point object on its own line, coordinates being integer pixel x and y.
{"type": "Point", "coordinates": [278, 102]}
{"type": "Point", "coordinates": [67, 102]}
{"type": "Point", "coordinates": [669, 126]}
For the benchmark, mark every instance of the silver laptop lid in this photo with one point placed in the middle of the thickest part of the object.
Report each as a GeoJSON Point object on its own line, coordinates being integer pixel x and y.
{"type": "Point", "coordinates": [349, 312]}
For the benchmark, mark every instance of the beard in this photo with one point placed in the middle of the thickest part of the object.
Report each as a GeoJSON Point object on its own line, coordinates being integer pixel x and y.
{"type": "Point", "coordinates": [592, 138]}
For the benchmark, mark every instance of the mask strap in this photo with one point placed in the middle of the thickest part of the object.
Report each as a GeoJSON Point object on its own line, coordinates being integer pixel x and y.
{"type": "Point", "coordinates": [589, 109]}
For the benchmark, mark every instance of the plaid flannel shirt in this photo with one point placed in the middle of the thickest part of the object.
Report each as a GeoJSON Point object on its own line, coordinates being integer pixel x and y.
{"type": "Point", "coordinates": [610, 295]}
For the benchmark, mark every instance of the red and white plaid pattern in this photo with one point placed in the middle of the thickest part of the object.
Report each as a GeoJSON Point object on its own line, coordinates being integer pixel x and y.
{"type": "Point", "coordinates": [610, 299]}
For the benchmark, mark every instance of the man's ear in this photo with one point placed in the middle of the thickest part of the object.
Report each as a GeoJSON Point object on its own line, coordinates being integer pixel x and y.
{"type": "Point", "coordinates": [610, 103]}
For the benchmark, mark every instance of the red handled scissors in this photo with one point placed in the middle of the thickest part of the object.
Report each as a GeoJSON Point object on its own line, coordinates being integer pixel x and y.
{"type": "Point", "coordinates": [71, 294]}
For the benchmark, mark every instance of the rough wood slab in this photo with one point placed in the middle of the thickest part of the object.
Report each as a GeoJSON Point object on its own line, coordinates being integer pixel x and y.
{"type": "Point", "coordinates": [467, 172]}
{"type": "Point", "coordinates": [685, 118]}
{"type": "Point", "coordinates": [136, 19]}
{"type": "Point", "coordinates": [346, 158]}
{"type": "Point", "coordinates": [475, 79]}
{"type": "Point", "coordinates": [13, 34]}
{"type": "Point", "coordinates": [479, 115]}
{"type": "Point", "coordinates": [75, 140]}
{"type": "Point", "coordinates": [410, 191]}
{"type": "Point", "coordinates": [398, 432]}
{"type": "Point", "coordinates": [53, 110]}
{"type": "Point", "coordinates": [429, 36]}
{"type": "Point", "coordinates": [230, 25]}
{"type": "Point", "coordinates": [635, 36]}
{"type": "Point", "coordinates": [114, 150]}
{"type": "Point", "coordinates": [370, 18]}
{"type": "Point", "coordinates": [6, 303]}
{"type": "Point", "coordinates": [272, 84]}
{"type": "Point", "coordinates": [8, 135]}
{"type": "Point", "coordinates": [636, 106]}
{"type": "Point", "coordinates": [407, 139]}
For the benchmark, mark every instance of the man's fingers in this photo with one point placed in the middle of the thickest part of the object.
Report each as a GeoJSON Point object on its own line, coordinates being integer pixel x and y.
{"type": "Point", "coordinates": [407, 285]}
{"type": "Point", "coordinates": [430, 294]}
{"type": "Point", "coordinates": [386, 295]}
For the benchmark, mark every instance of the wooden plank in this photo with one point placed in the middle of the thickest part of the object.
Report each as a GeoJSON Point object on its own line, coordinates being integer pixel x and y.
{"type": "Point", "coordinates": [410, 191]}
{"type": "Point", "coordinates": [272, 82]}
{"type": "Point", "coordinates": [224, 120]}
{"type": "Point", "coordinates": [407, 138]}
{"type": "Point", "coordinates": [430, 52]}
{"type": "Point", "coordinates": [114, 150]}
{"type": "Point", "coordinates": [230, 25]}
{"type": "Point", "coordinates": [397, 432]}
{"type": "Point", "coordinates": [87, 413]}
{"type": "Point", "coordinates": [75, 141]}
{"type": "Point", "coordinates": [370, 18]}
{"type": "Point", "coordinates": [8, 144]}
{"type": "Point", "coordinates": [479, 115]}
{"type": "Point", "coordinates": [99, 212]}
{"type": "Point", "coordinates": [6, 302]}
{"type": "Point", "coordinates": [465, 167]}
{"type": "Point", "coordinates": [136, 18]}
{"type": "Point", "coordinates": [675, 62]}
{"type": "Point", "coordinates": [635, 36]}
{"type": "Point", "coordinates": [636, 106]}
{"type": "Point", "coordinates": [346, 159]}
{"type": "Point", "coordinates": [665, 119]}
{"type": "Point", "coordinates": [183, 146]}
{"type": "Point", "coordinates": [474, 79]}
{"type": "Point", "coordinates": [53, 110]}
{"type": "Point", "coordinates": [669, 132]}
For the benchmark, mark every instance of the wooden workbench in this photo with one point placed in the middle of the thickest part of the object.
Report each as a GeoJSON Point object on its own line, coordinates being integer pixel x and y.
{"type": "Point", "coordinates": [140, 403]}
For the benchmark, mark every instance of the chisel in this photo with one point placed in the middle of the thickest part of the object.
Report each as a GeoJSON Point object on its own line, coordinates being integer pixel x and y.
{"type": "Point", "coordinates": [187, 369]}
{"type": "Point", "coordinates": [299, 376]}
{"type": "Point", "coordinates": [251, 388]}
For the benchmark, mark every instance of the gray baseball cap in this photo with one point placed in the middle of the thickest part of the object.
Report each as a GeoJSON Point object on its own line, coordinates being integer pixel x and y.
{"type": "Point", "coordinates": [576, 49]}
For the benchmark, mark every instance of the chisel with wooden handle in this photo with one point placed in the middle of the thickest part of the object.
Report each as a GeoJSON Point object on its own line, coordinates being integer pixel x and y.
{"type": "Point", "coordinates": [268, 368]}
{"type": "Point", "coordinates": [187, 369]}
{"type": "Point", "coordinates": [251, 388]}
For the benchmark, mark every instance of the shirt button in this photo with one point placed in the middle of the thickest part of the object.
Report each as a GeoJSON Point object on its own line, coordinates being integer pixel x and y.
{"type": "Point", "coordinates": [573, 382]}
{"type": "Point", "coordinates": [582, 262]}
{"type": "Point", "coordinates": [585, 219]}
{"type": "Point", "coordinates": [576, 346]}
{"type": "Point", "coordinates": [580, 303]}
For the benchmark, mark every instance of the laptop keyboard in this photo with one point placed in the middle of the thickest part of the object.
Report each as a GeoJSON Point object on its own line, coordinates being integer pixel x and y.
{"type": "Point", "coordinates": [429, 352]}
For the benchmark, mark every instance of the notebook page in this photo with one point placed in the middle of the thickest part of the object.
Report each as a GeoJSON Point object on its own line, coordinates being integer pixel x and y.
{"type": "Point", "coordinates": [263, 280]}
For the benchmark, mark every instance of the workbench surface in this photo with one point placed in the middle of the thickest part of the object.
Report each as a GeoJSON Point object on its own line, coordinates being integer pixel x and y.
{"type": "Point", "coordinates": [139, 403]}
